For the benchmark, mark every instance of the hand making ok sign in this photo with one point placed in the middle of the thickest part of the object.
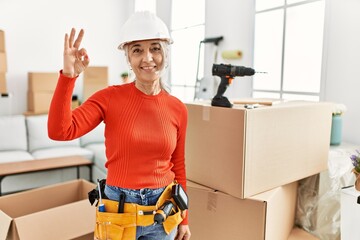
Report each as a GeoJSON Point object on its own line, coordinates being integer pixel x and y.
{"type": "Point", "coordinates": [75, 60]}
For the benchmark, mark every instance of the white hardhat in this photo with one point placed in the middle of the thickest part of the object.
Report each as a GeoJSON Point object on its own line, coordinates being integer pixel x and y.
{"type": "Point", "coordinates": [143, 26]}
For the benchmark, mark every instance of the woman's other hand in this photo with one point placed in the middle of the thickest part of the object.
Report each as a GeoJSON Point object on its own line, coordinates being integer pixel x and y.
{"type": "Point", "coordinates": [183, 233]}
{"type": "Point", "coordinates": [75, 60]}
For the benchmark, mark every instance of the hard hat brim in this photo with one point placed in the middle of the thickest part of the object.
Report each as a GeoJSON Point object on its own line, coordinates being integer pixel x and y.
{"type": "Point", "coordinates": [122, 45]}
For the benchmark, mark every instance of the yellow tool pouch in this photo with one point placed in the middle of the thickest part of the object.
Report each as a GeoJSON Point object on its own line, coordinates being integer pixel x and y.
{"type": "Point", "coordinates": [122, 226]}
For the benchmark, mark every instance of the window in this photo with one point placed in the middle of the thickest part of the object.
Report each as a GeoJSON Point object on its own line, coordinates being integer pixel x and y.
{"type": "Point", "coordinates": [288, 45]}
{"type": "Point", "coordinates": [187, 30]}
{"type": "Point", "coordinates": [145, 5]}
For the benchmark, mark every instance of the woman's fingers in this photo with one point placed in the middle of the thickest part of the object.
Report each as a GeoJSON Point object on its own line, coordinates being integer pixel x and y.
{"type": "Point", "coordinates": [75, 60]}
{"type": "Point", "coordinates": [79, 39]}
{"type": "Point", "coordinates": [83, 57]}
{"type": "Point", "coordinates": [72, 35]}
{"type": "Point", "coordinates": [66, 42]}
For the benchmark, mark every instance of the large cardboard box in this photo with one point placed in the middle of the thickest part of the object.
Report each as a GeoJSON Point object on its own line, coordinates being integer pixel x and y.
{"type": "Point", "coordinates": [39, 102]}
{"type": "Point", "coordinates": [2, 41]}
{"type": "Point", "coordinates": [3, 63]}
{"type": "Point", "coordinates": [60, 211]}
{"type": "Point", "coordinates": [243, 152]}
{"type": "Point", "coordinates": [214, 215]}
{"type": "Point", "coordinates": [42, 81]}
{"type": "Point", "coordinates": [95, 79]}
{"type": "Point", "coordinates": [3, 88]}
{"type": "Point", "coordinates": [350, 213]}
{"type": "Point", "coordinates": [91, 88]}
{"type": "Point", "coordinates": [96, 75]}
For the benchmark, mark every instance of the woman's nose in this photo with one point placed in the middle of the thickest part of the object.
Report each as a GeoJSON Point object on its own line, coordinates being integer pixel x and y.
{"type": "Point", "coordinates": [148, 56]}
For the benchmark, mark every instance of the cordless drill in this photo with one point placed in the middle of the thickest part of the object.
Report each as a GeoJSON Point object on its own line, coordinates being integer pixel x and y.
{"type": "Point", "coordinates": [163, 212]}
{"type": "Point", "coordinates": [227, 73]}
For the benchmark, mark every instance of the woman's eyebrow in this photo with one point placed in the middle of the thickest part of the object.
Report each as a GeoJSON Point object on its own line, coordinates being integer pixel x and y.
{"type": "Point", "coordinates": [135, 45]}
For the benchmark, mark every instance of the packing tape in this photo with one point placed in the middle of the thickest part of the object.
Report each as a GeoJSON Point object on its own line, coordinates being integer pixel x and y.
{"type": "Point", "coordinates": [231, 54]}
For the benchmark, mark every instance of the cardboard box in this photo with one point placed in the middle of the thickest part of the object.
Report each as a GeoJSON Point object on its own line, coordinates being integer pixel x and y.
{"type": "Point", "coordinates": [214, 215]}
{"type": "Point", "coordinates": [90, 89]}
{"type": "Point", "coordinates": [244, 152]}
{"type": "Point", "coordinates": [39, 101]}
{"type": "Point", "coordinates": [300, 234]}
{"type": "Point", "coordinates": [3, 88]}
{"type": "Point", "coordinates": [42, 81]}
{"type": "Point", "coordinates": [95, 79]}
{"type": "Point", "coordinates": [2, 41]}
{"type": "Point", "coordinates": [350, 213]}
{"type": "Point", "coordinates": [96, 75]}
{"type": "Point", "coordinates": [3, 62]}
{"type": "Point", "coordinates": [60, 211]}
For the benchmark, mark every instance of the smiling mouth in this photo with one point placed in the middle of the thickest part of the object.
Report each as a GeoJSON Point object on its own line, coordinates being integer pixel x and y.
{"type": "Point", "coordinates": [148, 68]}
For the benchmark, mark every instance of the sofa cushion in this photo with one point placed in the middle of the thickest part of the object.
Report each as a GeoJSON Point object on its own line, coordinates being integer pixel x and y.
{"type": "Point", "coordinates": [15, 156]}
{"type": "Point", "coordinates": [99, 155]}
{"type": "Point", "coordinates": [62, 152]}
{"type": "Point", "coordinates": [38, 135]}
{"type": "Point", "coordinates": [13, 133]}
{"type": "Point", "coordinates": [94, 136]}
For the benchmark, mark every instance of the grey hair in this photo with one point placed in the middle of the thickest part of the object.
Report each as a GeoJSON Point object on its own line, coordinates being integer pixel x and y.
{"type": "Point", "coordinates": [165, 48]}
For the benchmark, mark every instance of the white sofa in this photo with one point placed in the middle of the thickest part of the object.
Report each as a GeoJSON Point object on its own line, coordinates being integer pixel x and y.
{"type": "Point", "coordinates": [25, 138]}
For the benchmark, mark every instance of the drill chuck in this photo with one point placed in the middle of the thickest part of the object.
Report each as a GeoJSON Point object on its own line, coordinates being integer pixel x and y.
{"type": "Point", "coordinates": [163, 212]}
{"type": "Point", "coordinates": [231, 70]}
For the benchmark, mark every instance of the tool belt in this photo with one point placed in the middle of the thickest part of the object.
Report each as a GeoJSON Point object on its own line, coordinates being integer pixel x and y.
{"type": "Point", "coordinates": [122, 226]}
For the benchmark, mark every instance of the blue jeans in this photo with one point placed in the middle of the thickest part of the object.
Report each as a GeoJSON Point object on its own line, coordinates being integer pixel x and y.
{"type": "Point", "coordinates": [145, 197]}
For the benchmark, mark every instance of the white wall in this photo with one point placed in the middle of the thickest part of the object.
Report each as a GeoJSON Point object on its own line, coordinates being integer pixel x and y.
{"type": "Point", "coordinates": [342, 63]}
{"type": "Point", "coordinates": [34, 34]}
{"type": "Point", "coordinates": [233, 19]}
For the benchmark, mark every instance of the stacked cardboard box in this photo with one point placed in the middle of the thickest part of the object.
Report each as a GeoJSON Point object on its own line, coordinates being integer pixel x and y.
{"type": "Point", "coordinates": [247, 154]}
{"type": "Point", "coordinates": [3, 63]}
{"type": "Point", "coordinates": [5, 97]}
{"type": "Point", "coordinates": [41, 87]}
{"type": "Point", "coordinates": [217, 215]}
{"type": "Point", "coordinates": [95, 79]}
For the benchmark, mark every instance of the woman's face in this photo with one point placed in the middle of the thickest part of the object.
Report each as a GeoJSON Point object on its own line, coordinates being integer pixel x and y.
{"type": "Point", "coordinates": [146, 59]}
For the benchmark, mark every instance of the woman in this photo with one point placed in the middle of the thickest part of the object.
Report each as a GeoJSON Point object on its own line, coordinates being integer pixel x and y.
{"type": "Point", "coordinates": [145, 126]}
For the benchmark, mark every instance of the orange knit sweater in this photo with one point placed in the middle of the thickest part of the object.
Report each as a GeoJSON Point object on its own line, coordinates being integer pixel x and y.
{"type": "Point", "coordinates": [144, 134]}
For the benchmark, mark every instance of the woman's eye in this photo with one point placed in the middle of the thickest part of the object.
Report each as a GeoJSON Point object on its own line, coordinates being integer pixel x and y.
{"type": "Point", "coordinates": [156, 49]}
{"type": "Point", "coordinates": [136, 50]}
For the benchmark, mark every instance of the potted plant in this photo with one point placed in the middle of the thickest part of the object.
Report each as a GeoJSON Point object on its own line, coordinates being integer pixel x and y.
{"type": "Point", "coordinates": [355, 160]}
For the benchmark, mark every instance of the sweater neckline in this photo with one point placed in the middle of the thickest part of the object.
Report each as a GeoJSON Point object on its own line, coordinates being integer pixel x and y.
{"type": "Point", "coordinates": [141, 94]}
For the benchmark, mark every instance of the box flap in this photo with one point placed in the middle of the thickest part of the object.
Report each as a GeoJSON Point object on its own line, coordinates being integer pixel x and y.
{"type": "Point", "coordinates": [64, 222]}
{"type": "Point", "coordinates": [27, 202]}
{"type": "Point", "coordinates": [5, 222]}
